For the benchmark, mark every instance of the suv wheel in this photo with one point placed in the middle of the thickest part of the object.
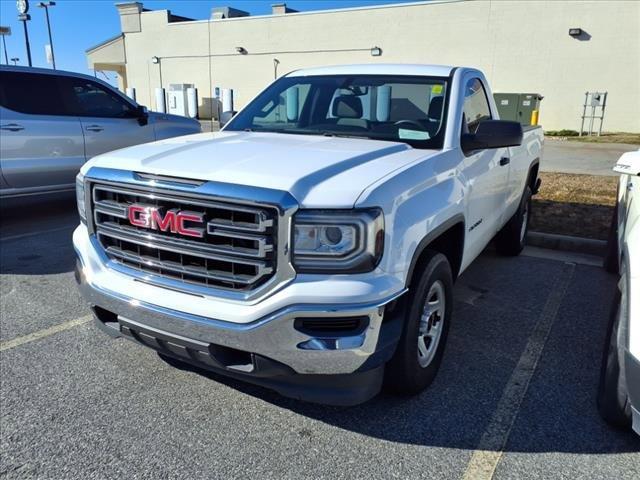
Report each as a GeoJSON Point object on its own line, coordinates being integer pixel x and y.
{"type": "Point", "coordinates": [419, 352]}
{"type": "Point", "coordinates": [511, 239]}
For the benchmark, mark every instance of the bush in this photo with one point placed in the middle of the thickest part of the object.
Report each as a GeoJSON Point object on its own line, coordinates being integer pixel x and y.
{"type": "Point", "coordinates": [561, 133]}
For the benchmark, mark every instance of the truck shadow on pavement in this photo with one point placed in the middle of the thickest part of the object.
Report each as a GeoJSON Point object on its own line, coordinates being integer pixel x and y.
{"type": "Point", "coordinates": [494, 314]}
{"type": "Point", "coordinates": [36, 236]}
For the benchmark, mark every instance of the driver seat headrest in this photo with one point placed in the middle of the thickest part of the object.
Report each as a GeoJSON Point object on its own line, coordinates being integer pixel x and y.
{"type": "Point", "coordinates": [347, 106]}
{"type": "Point", "coordinates": [435, 108]}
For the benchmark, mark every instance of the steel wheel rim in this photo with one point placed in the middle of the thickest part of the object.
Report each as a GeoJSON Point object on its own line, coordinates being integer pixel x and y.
{"type": "Point", "coordinates": [431, 324]}
{"type": "Point", "coordinates": [525, 222]}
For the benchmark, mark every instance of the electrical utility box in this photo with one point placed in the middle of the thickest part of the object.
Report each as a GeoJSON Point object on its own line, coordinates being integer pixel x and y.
{"type": "Point", "coordinates": [518, 107]}
{"type": "Point", "coordinates": [178, 99]}
{"type": "Point", "coordinates": [529, 102]}
{"type": "Point", "coordinates": [507, 104]}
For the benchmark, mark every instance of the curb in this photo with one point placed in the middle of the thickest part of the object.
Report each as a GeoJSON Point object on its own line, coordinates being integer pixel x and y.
{"type": "Point", "coordinates": [567, 243]}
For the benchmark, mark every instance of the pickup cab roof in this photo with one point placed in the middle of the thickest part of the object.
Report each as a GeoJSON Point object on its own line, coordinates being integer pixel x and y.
{"type": "Point", "coordinates": [377, 69]}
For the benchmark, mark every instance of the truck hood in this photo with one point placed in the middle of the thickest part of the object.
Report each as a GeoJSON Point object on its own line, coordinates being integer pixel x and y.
{"type": "Point", "coordinates": [318, 171]}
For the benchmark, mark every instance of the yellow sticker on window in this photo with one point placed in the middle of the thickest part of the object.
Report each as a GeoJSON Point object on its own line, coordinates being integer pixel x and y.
{"type": "Point", "coordinates": [436, 89]}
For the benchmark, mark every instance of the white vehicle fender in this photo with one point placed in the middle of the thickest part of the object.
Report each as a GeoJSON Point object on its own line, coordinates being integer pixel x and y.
{"type": "Point", "coordinates": [631, 260]}
{"type": "Point", "coordinates": [420, 202]}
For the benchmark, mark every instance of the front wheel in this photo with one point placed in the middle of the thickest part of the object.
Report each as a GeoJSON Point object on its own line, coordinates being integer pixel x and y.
{"type": "Point", "coordinates": [511, 239]}
{"type": "Point", "coordinates": [428, 315]}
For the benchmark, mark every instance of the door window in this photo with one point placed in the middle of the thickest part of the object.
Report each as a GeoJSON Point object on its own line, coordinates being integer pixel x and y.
{"type": "Point", "coordinates": [31, 93]}
{"type": "Point", "coordinates": [93, 100]}
{"type": "Point", "coordinates": [476, 106]}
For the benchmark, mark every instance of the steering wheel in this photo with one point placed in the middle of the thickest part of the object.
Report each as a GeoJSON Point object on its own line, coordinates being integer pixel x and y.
{"type": "Point", "coordinates": [412, 123]}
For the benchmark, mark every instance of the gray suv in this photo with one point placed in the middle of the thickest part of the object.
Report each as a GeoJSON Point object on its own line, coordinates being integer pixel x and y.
{"type": "Point", "coordinates": [51, 122]}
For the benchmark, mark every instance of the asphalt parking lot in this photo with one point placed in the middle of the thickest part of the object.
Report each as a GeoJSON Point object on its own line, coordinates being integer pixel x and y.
{"type": "Point", "coordinates": [583, 158]}
{"type": "Point", "coordinates": [514, 399]}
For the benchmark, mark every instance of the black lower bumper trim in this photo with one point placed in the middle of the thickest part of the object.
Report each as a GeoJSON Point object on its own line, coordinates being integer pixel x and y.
{"type": "Point", "coordinates": [340, 390]}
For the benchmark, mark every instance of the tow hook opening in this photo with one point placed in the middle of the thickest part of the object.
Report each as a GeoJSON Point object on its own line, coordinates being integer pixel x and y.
{"type": "Point", "coordinates": [232, 358]}
{"type": "Point", "coordinates": [107, 318]}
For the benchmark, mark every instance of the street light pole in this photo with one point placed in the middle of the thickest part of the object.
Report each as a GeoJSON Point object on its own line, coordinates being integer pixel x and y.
{"type": "Point", "coordinates": [24, 19]}
{"type": "Point", "coordinates": [46, 6]}
{"type": "Point", "coordinates": [23, 16]}
{"type": "Point", "coordinates": [4, 31]}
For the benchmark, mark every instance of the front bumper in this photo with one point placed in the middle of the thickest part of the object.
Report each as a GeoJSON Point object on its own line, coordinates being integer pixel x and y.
{"type": "Point", "coordinates": [339, 368]}
{"type": "Point", "coordinates": [632, 378]}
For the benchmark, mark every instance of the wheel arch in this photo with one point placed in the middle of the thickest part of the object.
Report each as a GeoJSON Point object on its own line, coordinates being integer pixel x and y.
{"type": "Point", "coordinates": [532, 176]}
{"type": "Point", "coordinates": [448, 239]}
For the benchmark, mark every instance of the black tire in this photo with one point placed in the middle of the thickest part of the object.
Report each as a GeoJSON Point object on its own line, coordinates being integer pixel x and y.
{"type": "Point", "coordinates": [613, 399]}
{"type": "Point", "coordinates": [610, 262]}
{"type": "Point", "coordinates": [404, 373]}
{"type": "Point", "coordinates": [511, 239]}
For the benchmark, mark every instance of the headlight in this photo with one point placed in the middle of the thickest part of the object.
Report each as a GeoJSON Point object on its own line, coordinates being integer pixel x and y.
{"type": "Point", "coordinates": [80, 197]}
{"type": "Point", "coordinates": [338, 241]}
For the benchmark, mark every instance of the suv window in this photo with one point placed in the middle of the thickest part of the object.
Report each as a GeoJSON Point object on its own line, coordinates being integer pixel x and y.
{"type": "Point", "coordinates": [476, 106]}
{"type": "Point", "coordinates": [93, 100]}
{"type": "Point", "coordinates": [32, 93]}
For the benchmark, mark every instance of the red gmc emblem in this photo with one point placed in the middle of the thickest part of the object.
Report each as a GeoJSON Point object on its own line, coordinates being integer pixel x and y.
{"type": "Point", "coordinates": [174, 220]}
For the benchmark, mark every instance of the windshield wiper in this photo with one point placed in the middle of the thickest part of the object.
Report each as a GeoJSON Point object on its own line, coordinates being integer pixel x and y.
{"type": "Point", "coordinates": [325, 133]}
{"type": "Point", "coordinates": [345, 135]}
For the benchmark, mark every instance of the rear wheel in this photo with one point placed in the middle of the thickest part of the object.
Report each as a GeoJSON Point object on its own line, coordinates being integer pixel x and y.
{"type": "Point", "coordinates": [511, 239]}
{"type": "Point", "coordinates": [421, 346]}
{"type": "Point", "coordinates": [613, 399]}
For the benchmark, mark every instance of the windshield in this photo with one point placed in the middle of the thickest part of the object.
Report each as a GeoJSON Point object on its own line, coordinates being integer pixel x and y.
{"type": "Point", "coordinates": [380, 107]}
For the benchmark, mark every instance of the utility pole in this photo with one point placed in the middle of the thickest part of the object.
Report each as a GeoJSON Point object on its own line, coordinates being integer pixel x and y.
{"type": "Point", "coordinates": [4, 31]}
{"type": "Point", "coordinates": [15, 60]}
{"type": "Point", "coordinates": [46, 6]}
{"type": "Point", "coordinates": [24, 17]}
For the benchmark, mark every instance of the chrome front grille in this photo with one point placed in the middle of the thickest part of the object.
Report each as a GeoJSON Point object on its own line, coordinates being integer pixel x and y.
{"type": "Point", "coordinates": [238, 250]}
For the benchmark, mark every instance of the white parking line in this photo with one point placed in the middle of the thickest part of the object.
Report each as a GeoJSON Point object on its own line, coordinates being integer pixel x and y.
{"type": "Point", "coordinates": [47, 332]}
{"type": "Point", "coordinates": [485, 458]}
{"type": "Point", "coordinates": [31, 234]}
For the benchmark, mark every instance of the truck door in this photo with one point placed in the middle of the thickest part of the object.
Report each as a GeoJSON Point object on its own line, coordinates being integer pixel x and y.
{"type": "Point", "coordinates": [487, 171]}
{"type": "Point", "coordinates": [41, 142]}
{"type": "Point", "coordinates": [108, 121]}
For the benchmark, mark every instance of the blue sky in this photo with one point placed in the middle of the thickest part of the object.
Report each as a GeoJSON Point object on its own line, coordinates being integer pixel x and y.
{"type": "Point", "coordinates": [80, 24]}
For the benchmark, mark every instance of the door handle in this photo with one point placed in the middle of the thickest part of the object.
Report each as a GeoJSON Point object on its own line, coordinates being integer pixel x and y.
{"type": "Point", "coordinates": [94, 128]}
{"type": "Point", "coordinates": [504, 161]}
{"type": "Point", "coordinates": [12, 127]}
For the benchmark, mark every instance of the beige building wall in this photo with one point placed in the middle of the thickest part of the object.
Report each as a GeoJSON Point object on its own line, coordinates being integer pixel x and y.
{"type": "Point", "coordinates": [521, 46]}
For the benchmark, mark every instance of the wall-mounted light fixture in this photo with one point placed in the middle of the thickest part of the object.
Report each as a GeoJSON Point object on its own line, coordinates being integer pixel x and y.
{"type": "Point", "coordinates": [575, 32]}
{"type": "Point", "coordinates": [376, 51]}
{"type": "Point", "coordinates": [155, 59]}
{"type": "Point", "coordinates": [241, 50]}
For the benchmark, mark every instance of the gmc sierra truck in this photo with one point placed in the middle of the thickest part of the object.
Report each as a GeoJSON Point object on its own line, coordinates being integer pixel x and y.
{"type": "Point", "coordinates": [312, 244]}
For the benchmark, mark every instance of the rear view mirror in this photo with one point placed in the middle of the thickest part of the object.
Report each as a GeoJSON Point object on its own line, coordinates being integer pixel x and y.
{"type": "Point", "coordinates": [628, 163]}
{"type": "Point", "coordinates": [492, 134]}
{"type": "Point", "coordinates": [225, 117]}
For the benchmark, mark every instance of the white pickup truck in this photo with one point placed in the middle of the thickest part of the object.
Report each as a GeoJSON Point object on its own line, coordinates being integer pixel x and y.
{"type": "Point", "coordinates": [311, 246]}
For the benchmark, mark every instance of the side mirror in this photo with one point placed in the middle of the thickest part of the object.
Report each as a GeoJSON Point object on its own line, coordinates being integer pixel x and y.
{"type": "Point", "coordinates": [143, 115]}
{"type": "Point", "coordinates": [225, 117]}
{"type": "Point", "coordinates": [628, 163]}
{"type": "Point", "coordinates": [492, 134]}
